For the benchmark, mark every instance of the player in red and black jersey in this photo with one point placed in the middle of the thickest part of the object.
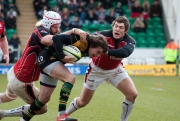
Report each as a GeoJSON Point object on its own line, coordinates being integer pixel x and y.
{"type": "Point", "coordinates": [25, 72]}
{"type": "Point", "coordinates": [110, 68]}
{"type": "Point", "coordinates": [4, 42]}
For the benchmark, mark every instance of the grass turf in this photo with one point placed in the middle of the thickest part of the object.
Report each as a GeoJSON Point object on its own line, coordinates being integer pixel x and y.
{"type": "Point", "coordinates": [158, 100]}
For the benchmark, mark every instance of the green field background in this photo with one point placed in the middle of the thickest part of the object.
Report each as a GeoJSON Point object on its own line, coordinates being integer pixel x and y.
{"type": "Point", "coordinates": [158, 100]}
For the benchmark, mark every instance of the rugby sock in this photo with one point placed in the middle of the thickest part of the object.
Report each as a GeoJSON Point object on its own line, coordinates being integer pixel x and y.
{"type": "Point", "coordinates": [72, 107]}
{"type": "Point", "coordinates": [64, 96]}
{"type": "Point", "coordinates": [16, 112]}
{"type": "Point", "coordinates": [126, 109]}
{"type": "Point", "coordinates": [35, 106]}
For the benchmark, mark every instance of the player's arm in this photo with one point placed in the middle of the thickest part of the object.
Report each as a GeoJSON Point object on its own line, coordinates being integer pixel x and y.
{"type": "Point", "coordinates": [47, 40]}
{"type": "Point", "coordinates": [61, 39]}
{"type": "Point", "coordinates": [4, 48]}
{"type": "Point", "coordinates": [123, 52]}
{"type": "Point", "coordinates": [79, 32]}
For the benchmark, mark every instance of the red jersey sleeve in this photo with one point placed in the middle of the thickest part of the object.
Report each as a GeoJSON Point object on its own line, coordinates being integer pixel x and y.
{"type": "Point", "coordinates": [2, 29]}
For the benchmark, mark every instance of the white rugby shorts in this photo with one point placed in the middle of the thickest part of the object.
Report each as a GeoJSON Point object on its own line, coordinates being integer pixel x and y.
{"type": "Point", "coordinates": [26, 91]}
{"type": "Point", "coordinates": [95, 76]}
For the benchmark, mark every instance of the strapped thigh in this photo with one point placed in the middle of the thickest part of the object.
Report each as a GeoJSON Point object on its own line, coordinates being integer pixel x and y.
{"type": "Point", "coordinates": [10, 95]}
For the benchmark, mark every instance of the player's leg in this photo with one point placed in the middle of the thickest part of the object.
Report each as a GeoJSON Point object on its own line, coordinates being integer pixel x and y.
{"type": "Point", "coordinates": [27, 92]}
{"type": "Point", "coordinates": [7, 96]}
{"type": "Point", "coordinates": [81, 101]}
{"type": "Point", "coordinates": [94, 76]}
{"type": "Point", "coordinates": [125, 84]}
{"type": "Point", "coordinates": [68, 78]}
{"type": "Point", "coordinates": [46, 89]}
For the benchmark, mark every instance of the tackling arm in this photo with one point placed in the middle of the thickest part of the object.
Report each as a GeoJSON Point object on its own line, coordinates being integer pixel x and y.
{"type": "Point", "coordinates": [4, 48]}
{"type": "Point", "coordinates": [123, 52]}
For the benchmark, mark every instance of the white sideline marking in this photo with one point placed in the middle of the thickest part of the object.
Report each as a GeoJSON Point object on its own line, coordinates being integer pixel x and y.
{"type": "Point", "coordinates": [159, 89]}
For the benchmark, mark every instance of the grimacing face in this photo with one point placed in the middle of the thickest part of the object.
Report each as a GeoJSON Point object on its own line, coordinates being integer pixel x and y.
{"type": "Point", "coordinates": [118, 30]}
{"type": "Point", "coordinates": [93, 52]}
{"type": "Point", "coordinates": [55, 29]}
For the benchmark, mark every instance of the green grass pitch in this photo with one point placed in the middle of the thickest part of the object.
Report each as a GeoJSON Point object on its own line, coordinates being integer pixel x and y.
{"type": "Point", "coordinates": [158, 100]}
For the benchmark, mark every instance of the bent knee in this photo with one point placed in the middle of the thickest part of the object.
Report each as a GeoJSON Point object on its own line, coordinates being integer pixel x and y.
{"type": "Point", "coordinates": [132, 96]}
{"type": "Point", "coordinates": [70, 78]}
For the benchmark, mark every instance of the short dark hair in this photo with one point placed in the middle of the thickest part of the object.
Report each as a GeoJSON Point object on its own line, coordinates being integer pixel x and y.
{"type": "Point", "coordinates": [122, 19]}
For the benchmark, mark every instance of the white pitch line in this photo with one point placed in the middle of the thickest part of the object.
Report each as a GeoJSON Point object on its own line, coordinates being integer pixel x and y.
{"type": "Point", "coordinates": [159, 89]}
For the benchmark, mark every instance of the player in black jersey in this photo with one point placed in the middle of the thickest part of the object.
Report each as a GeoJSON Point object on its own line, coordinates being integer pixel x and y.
{"type": "Point", "coordinates": [51, 63]}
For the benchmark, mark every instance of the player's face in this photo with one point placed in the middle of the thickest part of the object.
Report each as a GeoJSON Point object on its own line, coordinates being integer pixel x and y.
{"type": "Point", "coordinates": [95, 51]}
{"type": "Point", "coordinates": [118, 30]}
{"type": "Point", "coordinates": [55, 29]}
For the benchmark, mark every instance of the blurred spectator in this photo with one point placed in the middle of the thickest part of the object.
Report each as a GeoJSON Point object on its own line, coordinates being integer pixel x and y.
{"type": "Point", "coordinates": [3, 10]}
{"type": "Point", "coordinates": [14, 7]}
{"type": "Point", "coordinates": [91, 17]}
{"type": "Point", "coordinates": [111, 16]}
{"type": "Point", "coordinates": [136, 9]}
{"type": "Point", "coordinates": [44, 3]}
{"type": "Point", "coordinates": [15, 41]}
{"type": "Point", "coordinates": [5, 4]}
{"type": "Point", "coordinates": [90, 5]}
{"type": "Point", "coordinates": [76, 23]}
{"type": "Point", "coordinates": [146, 9]}
{"type": "Point", "coordinates": [11, 11]}
{"type": "Point", "coordinates": [61, 4]}
{"type": "Point", "coordinates": [66, 23]}
{"type": "Point", "coordinates": [99, 5]}
{"type": "Point", "coordinates": [131, 3]}
{"type": "Point", "coordinates": [72, 8]}
{"type": "Point", "coordinates": [10, 21]}
{"type": "Point", "coordinates": [170, 52]}
{"type": "Point", "coordinates": [124, 2]}
{"type": "Point", "coordinates": [36, 5]}
{"type": "Point", "coordinates": [107, 4]}
{"type": "Point", "coordinates": [41, 12]}
{"type": "Point", "coordinates": [146, 6]}
{"type": "Point", "coordinates": [101, 13]}
{"type": "Point", "coordinates": [119, 10]}
{"type": "Point", "coordinates": [156, 10]}
{"type": "Point", "coordinates": [2, 16]}
{"type": "Point", "coordinates": [138, 25]}
{"type": "Point", "coordinates": [55, 9]}
{"type": "Point", "coordinates": [81, 14]}
{"type": "Point", "coordinates": [64, 12]}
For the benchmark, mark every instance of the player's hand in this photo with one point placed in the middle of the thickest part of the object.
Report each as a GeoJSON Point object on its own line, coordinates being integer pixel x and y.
{"type": "Point", "coordinates": [6, 58]}
{"type": "Point", "coordinates": [69, 59]}
{"type": "Point", "coordinates": [82, 35]}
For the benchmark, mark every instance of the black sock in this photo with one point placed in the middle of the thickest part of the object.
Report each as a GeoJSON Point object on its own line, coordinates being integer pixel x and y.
{"type": "Point", "coordinates": [35, 106]}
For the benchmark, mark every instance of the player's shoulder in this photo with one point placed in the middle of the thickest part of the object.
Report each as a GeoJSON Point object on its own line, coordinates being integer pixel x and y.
{"type": "Point", "coordinates": [128, 38]}
{"type": "Point", "coordinates": [107, 33]}
{"type": "Point", "coordinates": [42, 30]}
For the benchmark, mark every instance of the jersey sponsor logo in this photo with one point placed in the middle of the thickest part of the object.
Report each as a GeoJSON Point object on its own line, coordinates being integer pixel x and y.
{"type": "Point", "coordinates": [43, 31]}
{"type": "Point", "coordinates": [115, 58]}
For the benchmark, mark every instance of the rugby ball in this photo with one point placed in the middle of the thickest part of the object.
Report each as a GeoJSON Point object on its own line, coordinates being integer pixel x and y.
{"type": "Point", "coordinates": [72, 51]}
